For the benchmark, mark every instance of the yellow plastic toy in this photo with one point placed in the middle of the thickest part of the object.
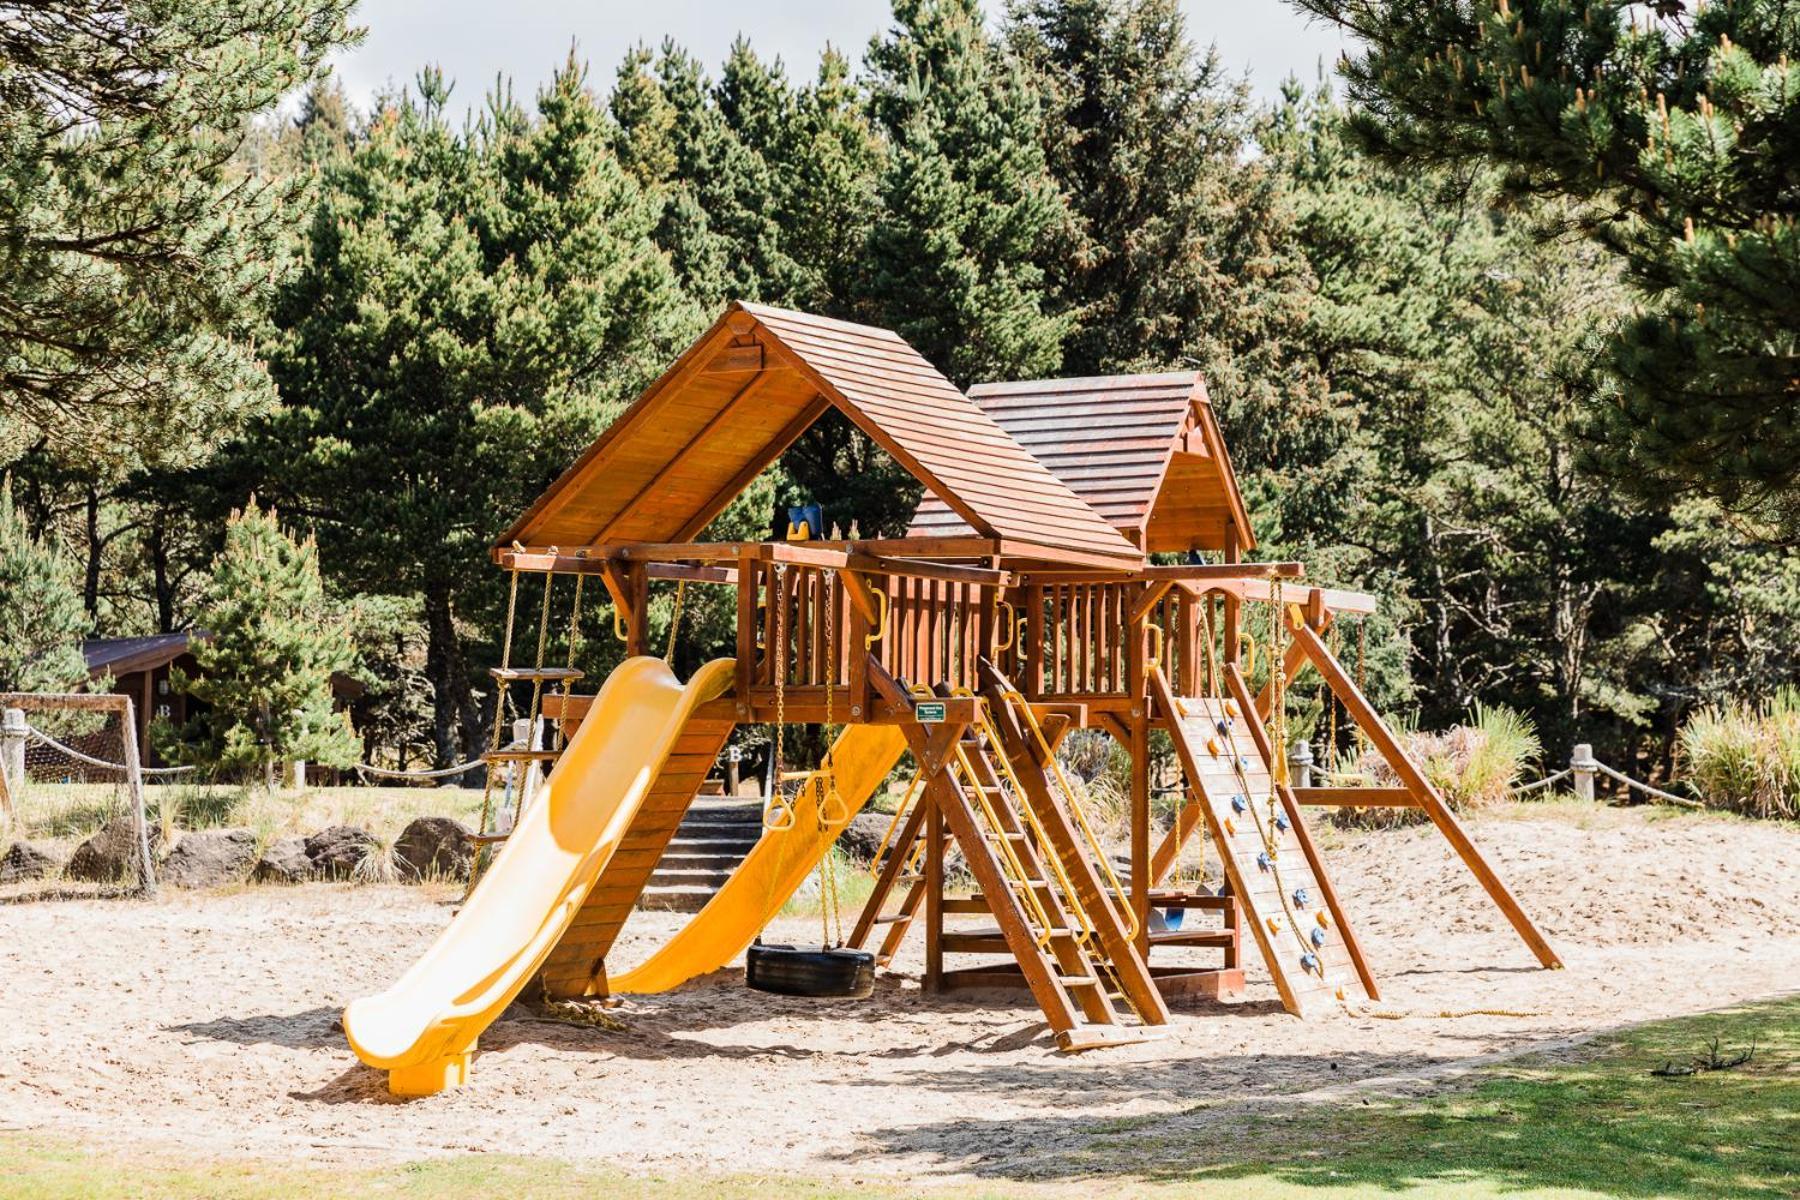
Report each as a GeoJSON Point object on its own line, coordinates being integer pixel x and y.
{"type": "Point", "coordinates": [423, 1029]}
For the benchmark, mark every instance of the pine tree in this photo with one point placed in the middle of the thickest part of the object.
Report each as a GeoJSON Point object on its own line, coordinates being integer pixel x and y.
{"type": "Point", "coordinates": [472, 308]}
{"type": "Point", "coordinates": [264, 667]}
{"type": "Point", "coordinates": [134, 250]}
{"type": "Point", "coordinates": [40, 610]}
{"type": "Point", "coordinates": [721, 223]}
{"type": "Point", "coordinates": [966, 201]}
{"type": "Point", "coordinates": [1675, 127]}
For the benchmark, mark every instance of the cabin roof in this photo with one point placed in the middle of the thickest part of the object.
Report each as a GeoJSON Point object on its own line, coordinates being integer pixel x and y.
{"type": "Point", "coordinates": [757, 380]}
{"type": "Point", "coordinates": [1144, 451]}
{"type": "Point", "coordinates": [128, 655]}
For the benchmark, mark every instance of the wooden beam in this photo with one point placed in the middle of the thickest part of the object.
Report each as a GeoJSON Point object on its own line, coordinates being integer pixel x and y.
{"type": "Point", "coordinates": [1152, 596]}
{"type": "Point", "coordinates": [44, 701]}
{"type": "Point", "coordinates": [1333, 599]}
{"type": "Point", "coordinates": [1177, 573]}
{"type": "Point", "coordinates": [1364, 714]}
{"type": "Point", "coordinates": [921, 569]}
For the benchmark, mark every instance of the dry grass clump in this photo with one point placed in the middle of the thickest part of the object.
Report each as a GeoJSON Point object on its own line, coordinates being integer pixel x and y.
{"type": "Point", "coordinates": [1745, 758]}
{"type": "Point", "coordinates": [1473, 766]}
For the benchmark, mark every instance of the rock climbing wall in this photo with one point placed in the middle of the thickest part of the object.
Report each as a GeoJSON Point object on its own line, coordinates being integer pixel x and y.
{"type": "Point", "coordinates": [1263, 858]}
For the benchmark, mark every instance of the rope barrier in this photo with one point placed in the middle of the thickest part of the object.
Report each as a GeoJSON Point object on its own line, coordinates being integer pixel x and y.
{"type": "Point", "coordinates": [439, 773]}
{"type": "Point", "coordinates": [1628, 781]}
{"type": "Point", "coordinates": [1546, 781]}
{"type": "Point", "coordinates": [43, 739]}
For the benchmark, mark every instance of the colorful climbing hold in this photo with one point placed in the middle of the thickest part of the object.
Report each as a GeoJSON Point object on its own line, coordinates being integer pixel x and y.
{"type": "Point", "coordinates": [1230, 827]}
{"type": "Point", "coordinates": [1324, 918]}
{"type": "Point", "coordinates": [1301, 899]}
{"type": "Point", "coordinates": [1274, 924]}
{"type": "Point", "coordinates": [1281, 823]}
{"type": "Point", "coordinates": [1264, 861]}
{"type": "Point", "coordinates": [1224, 727]}
{"type": "Point", "coordinates": [1318, 937]}
{"type": "Point", "coordinates": [1310, 962]}
{"type": "Point", "coordinates": [1212, 747]}
{"type": "Point", "coordinates": [1239, 804]}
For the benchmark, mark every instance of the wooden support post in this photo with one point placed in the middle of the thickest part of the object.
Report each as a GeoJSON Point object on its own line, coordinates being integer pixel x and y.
{"type": "Point", "coordinates": [1034, 648]}
{"type": "Point", "coordinates": [637, 631]}
{"type": "Point", "coordinates": [933, 980]}
{"type": "Point", "coordinates": [1364, 714]}
{"type": "Point", "coordinates": [749, 577]}
{"type": "Point", "coordinates": [1233, 606]}
{"type": "Point", "coordinates": [1140, 826]}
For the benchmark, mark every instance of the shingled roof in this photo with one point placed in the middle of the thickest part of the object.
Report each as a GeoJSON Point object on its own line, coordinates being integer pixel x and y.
{"type": "Point", "coordinates": [1144, 451]}
{"type": "Point", "coordinates": [758, 379]}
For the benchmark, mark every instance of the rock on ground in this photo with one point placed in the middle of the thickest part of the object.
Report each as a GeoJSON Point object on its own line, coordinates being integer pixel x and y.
{"type": "Point", "coordinates": [434, 847]}
{"type": "Point", "coordinates": [210, 858]}
{"type": "Point", "coordinates": [339, 850]}
{"type": "Point", "coordinates": [862, 837]}
{"type": "Point", "coordinates": [32, 860]}
{"type": "Point", "coordinates": [110, 855]}
{"type": "Point", "coordinates": [284, 861]}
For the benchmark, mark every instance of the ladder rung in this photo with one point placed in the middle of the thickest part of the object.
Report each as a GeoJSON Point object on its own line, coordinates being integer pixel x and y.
{"type": "Point", "coordinates": [485, 839]}
{"type": "Point", "coordinates": [550, 674]}
{"type": "Point", "coordinates": [890, 919]}
{"type": "Point", "coordinates": [1005, 835]}
{"type": "Point", "coordinates": [1077, 980]}
{"type": "Point", "coordinates": [494, 756]}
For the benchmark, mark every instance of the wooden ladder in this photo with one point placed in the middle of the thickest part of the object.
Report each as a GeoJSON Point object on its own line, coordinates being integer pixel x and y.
{"type": "Point", "coordinates": [1041, 919]}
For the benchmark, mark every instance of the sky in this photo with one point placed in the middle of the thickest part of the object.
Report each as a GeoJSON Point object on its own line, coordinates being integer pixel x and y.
{"type": "Point", "coordinates": [477, 40]}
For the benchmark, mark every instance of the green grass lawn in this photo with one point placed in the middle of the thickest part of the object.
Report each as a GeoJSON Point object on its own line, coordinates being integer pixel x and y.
{"type": "Point", "coordinates": [1592, 1123]}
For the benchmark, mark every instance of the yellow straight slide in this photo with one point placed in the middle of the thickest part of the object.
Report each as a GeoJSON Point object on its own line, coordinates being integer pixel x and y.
{"type": "Point", "coordinates": [423, 1029]}
{"type": "Point", "coordinates": [780, 861]}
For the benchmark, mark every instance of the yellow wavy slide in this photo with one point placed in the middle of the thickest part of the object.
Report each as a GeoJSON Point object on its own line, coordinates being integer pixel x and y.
{"type": "Point", "coordinates": [423, 1029]}
{"type": "Point", "coordinates": [782, 858]}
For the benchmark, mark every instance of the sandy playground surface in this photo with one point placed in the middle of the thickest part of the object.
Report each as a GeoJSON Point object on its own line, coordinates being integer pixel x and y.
{"type": "Point", "coordinates": [210, 1022]}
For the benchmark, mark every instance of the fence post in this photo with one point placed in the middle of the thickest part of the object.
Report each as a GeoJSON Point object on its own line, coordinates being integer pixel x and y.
{"type": "Point", "coordinates": [1584, 767]}
{"type": "Point", "coordinates": [1300, 763]}
{"type": "Point", "coordinates": [12, 748]}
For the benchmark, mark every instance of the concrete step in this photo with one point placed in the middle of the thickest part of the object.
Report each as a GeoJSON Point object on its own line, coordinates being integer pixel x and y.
{"type": "Point", "coordinates": [700, 878]}
{"type": "Point", "coordinates": [737, 844]}
{"type": "Point", "coordinates": [671, 861]}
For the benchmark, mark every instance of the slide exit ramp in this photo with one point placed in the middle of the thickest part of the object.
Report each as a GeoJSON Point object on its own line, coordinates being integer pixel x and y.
{"type": "Point", "coordinates": [423, 1029]}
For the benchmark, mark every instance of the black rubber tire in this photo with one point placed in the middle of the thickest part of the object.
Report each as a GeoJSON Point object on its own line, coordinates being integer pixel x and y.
{"type": "Point", "coordinates": [787, 971]}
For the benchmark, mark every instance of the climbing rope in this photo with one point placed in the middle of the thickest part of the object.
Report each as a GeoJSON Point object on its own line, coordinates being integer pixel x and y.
{"type": "Point", "coordinates": [500, 705]}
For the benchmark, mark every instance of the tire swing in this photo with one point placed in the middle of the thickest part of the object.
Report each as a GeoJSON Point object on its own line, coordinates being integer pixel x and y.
{"type": "Point", "coordinates": [833, 971]}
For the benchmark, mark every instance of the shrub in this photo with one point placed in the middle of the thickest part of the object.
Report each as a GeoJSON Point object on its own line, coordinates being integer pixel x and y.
{"type": "Point", "coordinates": [1473, 766]}
{"type": "Point", "coordinates": [1746, 758]}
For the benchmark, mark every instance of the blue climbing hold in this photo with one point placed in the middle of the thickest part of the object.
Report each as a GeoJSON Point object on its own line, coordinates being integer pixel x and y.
{"type": "Point", "coordinates": [1318, 937]}
{"type": "Point", "coordinates": [1224, 726]}
{"type": "Point", "coordinates": [1280, 822]}
{"type": "Point", "coordinates": [1309, 962]}
{"type": "Point", "coordinates": [1264, 861]}
{"type": "Point", "coordinates": [1239, 804]}
{"type": "Point", "coordinates": [1301, 899]}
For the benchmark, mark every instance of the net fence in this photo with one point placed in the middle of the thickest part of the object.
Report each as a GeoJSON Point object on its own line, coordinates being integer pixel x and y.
{"type": "Point", "coordinates": [72, 812]}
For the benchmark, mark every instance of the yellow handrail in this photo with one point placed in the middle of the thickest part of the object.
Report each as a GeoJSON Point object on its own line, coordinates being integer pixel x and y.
{"type": "Point", "coordinates": [1023, 706]}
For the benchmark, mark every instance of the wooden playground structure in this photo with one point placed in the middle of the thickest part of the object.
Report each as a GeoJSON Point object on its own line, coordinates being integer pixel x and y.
{"type": "Point", "coordinates": [1022, 604]}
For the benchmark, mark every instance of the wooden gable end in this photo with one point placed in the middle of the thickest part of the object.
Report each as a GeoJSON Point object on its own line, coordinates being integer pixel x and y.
{"type": "Point", "coordinates": [1144, 451]}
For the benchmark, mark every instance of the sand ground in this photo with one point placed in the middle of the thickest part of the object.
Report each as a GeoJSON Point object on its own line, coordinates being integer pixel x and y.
{"type": "Point", "coordinates": [209, 1023]}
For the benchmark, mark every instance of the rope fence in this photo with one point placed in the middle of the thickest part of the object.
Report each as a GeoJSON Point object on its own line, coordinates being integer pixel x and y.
{"type": "Point", "coordinates": [1582, 771]}
{"type": "Point", "coordinates": [43, 739]}
{"type": "Point", "coordinates": [367, 769]}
